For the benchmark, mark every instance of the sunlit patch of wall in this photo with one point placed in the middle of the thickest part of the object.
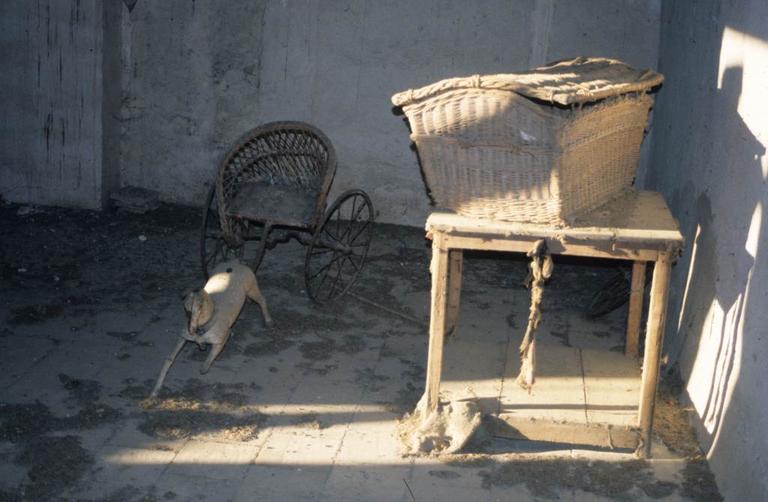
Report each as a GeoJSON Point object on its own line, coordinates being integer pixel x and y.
{"type": "Point", "coordinates": [710, 161]}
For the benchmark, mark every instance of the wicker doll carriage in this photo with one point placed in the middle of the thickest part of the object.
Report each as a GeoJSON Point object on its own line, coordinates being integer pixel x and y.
{"type": "Point", "coordinates": [272, 186]}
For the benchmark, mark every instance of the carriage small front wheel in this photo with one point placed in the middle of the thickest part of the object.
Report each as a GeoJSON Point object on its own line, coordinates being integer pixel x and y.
{"type": "Point", "coordinates": [246, 242]}
{"type": "Point", "coordinates": [339, 247]}
{"type": "Point", "coordinates": [213, 248]}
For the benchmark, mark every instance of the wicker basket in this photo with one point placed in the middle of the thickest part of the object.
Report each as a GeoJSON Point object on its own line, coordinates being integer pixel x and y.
{"type": "Point", "coordinates": [492, 148]}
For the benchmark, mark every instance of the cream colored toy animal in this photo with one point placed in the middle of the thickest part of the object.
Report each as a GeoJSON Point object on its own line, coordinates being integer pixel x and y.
{"type": "Point", "coordinates": [213, 310]}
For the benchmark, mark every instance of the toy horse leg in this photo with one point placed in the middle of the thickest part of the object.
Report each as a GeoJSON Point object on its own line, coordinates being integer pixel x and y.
{"type": "Point", "coordinates": [216, 349]}
{"type": "Point", "coordinates": [166, 366]}
{"type": "Point", "coordinates": [254, 293]}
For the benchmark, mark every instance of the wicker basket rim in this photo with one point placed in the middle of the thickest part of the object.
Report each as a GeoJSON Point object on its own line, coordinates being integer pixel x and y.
{"type": "Point", "coordinates": [575, 81]}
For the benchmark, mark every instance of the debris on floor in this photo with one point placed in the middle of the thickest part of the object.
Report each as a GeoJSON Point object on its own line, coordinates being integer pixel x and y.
{"type": "Point", "coordinates": [27, 210]}
{"type": "Point", "coordinates": [444, 431]}
{"type": "Point", "coordinates": [307, 409]}
{"type": "Point", "coordinates": [135, 199]}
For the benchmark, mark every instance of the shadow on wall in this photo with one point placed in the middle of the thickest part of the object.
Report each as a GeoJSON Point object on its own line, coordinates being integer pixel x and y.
{"type": "Point", "coordinates": [714, 297]}
{"type": "Point", "coordinates": [709, 163]}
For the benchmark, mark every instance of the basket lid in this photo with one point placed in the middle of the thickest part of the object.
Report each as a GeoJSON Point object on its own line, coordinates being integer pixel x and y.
{"type": "Point", "coordinates": [567, 82]}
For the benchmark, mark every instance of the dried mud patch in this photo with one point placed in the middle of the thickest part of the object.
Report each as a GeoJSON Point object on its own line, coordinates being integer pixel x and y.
{"type": "Point", "coordinates": [672, 426]}
{"type": "Point", "coordinates": [92, 413]}
{"type": "Point", "coordinates": [699, 482]}
{"type": "Point", "coordinates": [444, 474]}
{"type": "Point", "coordinates": [291, 322]}
{"type": "Point", "coordinates": [408, 264]}
{"type": "Point", "coordinates": [351, 344]}
{"type": "Point", "coordinates": [378, 289]}
{"type": "Point", "coordinates": [317, 351]}
{"type": "Point", "coordinates": [83, 392]}
{"type": "Point", "coordinates": [405, 401]}
{"type": "Point", "coordinates": [136, 391]}
{"type": "Point", "coordinates": [132, 493]}
{"type": "Point", "coordinates": [308, 421]}
{"type": "Point", "coordinates": [408, 395]}
{"type": "Point", "coordinates": [549, 478]}
{"type": "Point", "coordinates": [471, 460]}
{"type": "Point", "coordinates": [90, 417]}
{"type": "Point", "coordinates": [34, 314]}
{"type": "Point", "coordinates": [272, 346]}
{"type": "Point", "coordinates": [493, 270]}
{"type": "Point", "coordinates": [23, 422]}
{"type": "Point", "coordinates": [54, 463]}
{"type": "Point", "coordinates": [310, 368]}
{"type": "Point", "coordinates": [370, 379]}
{"type": "Point", "coordinates": [7, 496]}
{"type": "Point", "coordinates": [130, 338]}
{"type": "Point", "coordinates": [19, 422]}
{"type": "Point", "coordinates": [323, 349]}
{"type": "Point", "coordinates": [563, 337]}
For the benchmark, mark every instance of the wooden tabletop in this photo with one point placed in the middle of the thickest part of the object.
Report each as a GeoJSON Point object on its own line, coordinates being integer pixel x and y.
{"type": "Point", "coordinates": [639, 219]}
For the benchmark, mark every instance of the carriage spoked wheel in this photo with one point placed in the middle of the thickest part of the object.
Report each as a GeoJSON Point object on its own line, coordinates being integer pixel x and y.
{"type": "Point", "coordinates": [611, 295]}
{"type": "Point", "coordinates": [339, 246]}
{"type": "Point", "coordinates": [214, 248]}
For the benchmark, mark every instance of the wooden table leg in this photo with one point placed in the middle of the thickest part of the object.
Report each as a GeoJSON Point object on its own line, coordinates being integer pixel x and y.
{"type": "Point", "coordinates": [454, 289]}
{"type": "Point", "coordinates": [439, 269]}
{"type": "Point", "coordinates": [653, 342]}
{"type": "Point", "coordinates": [637, 288]}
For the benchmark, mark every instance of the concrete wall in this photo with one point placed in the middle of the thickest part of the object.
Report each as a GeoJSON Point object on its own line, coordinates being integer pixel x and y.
{"type": "Point", "coordinates": [709, 159]}
{"type": "Point", "coordinates": [191, 87]}
{"type": "Point", "coordinates": [197, 74]}
{"type": "Point", "coordinates": [51, 102]}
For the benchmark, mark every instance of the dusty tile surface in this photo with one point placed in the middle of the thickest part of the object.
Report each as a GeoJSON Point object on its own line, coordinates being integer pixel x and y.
{"type": "Point", "coordinates": [304, 410]}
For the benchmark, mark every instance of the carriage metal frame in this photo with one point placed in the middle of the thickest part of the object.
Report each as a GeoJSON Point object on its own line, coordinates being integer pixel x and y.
{"type": "Point", "coordinates": [277, 177]}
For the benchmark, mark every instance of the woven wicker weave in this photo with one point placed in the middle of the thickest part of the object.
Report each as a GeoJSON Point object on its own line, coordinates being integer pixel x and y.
{"type": "Point", "coordinates": [493, 153]}
{"type": "Point", "coordinates": [294, 156]}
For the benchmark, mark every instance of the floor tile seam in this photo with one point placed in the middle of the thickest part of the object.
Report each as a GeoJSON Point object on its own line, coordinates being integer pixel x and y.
{"type": "Point", "coordinates": [503, 379]}
{"type": "Point", "coordinates": [583, 385]}
{"type": "Point", "coordinates": [209, 478]}
{"type": "Point", "coordinates": [32, 366]}
{"type": "Point", "coordinates": [271, 430]}
{"type": "Point", "coordinates": [360, 400]}
{"type": "Point", "coordinates": [78, 487]}
{"type": "Point", "coordinates": [175, 455]}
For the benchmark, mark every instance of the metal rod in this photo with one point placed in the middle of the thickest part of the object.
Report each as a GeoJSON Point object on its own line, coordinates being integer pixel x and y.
{"type": "Point", "coordinates": [402, 315]}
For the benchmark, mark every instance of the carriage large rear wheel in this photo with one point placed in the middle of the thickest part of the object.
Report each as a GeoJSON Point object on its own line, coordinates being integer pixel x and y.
{"type": "Point", "coordinates": [339, 247]}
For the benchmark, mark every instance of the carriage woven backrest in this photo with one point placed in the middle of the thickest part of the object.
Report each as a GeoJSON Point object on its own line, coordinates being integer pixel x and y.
{"type": "Point", "coordinates": [280, 153]}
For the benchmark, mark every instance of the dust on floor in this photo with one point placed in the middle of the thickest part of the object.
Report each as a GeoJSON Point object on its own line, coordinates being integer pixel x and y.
{"type": "Point", "coordinates": [305, 409]}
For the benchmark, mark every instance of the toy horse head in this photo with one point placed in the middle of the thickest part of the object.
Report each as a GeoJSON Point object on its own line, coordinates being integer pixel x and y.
{"type": "Point", "coordinates": [199, 308]}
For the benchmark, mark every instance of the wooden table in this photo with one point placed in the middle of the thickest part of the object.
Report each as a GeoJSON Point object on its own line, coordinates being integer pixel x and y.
{"type": "Point", "coordinates": [639, 228]}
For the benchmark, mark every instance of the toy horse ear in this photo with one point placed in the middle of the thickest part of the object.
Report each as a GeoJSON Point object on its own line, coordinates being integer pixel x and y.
{"type": "Point", "coordinates": [189, 300]}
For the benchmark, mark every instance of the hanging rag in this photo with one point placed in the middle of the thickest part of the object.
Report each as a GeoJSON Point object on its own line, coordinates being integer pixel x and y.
{"type": "Point", "coordinates": [539, 270]}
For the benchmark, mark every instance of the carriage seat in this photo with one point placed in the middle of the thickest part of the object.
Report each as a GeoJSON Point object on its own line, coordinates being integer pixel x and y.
{"type": "Point", "coordinates": [279, 204]}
